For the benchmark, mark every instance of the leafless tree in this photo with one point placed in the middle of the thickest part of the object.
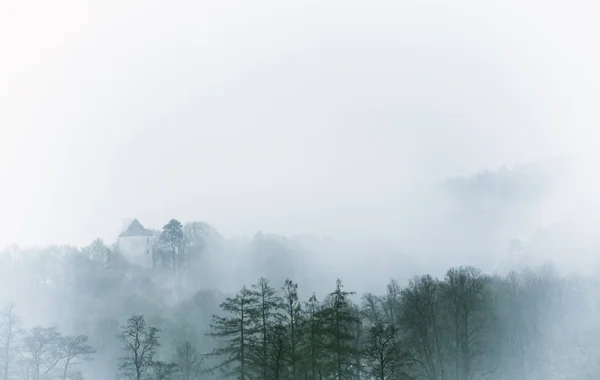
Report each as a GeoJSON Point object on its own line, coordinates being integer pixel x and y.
{"type": "Point", "coordinates": [42, 353]}
{"type": "Point", "coordinates": [9, 332]}
{"type": "Point", "coordinates": [140, 342]}
{"type": "Point", "coordinates": [385, 356]}
{"type": "Point", "coordinates": [420, 321]}
{"type": "Point", "coordinates": [277, 346]}
{"type": "Point", "coordinates": [71, 349]}
{"type": "Point", "coordinates": [188, 360]}
{"type": "Point", "coordinates": [464, 295]}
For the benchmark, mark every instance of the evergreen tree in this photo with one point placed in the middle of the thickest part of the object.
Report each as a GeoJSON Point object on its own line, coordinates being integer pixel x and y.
{"type": "Point", "coordinates": [172, 238]}
{"type": "Point", "coordinates": [312, 348]}
{"type": "Point", "coordinates": [238, 333]}
{"type": "Point", "coordinates": [267, 317]}
{"type": "Point", "coordinates": [293, 320]}
{"type": "Point", "coordinates": [339, 322]}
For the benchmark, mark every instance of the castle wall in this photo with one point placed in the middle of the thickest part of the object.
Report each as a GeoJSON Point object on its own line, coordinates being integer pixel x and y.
{"type": "Point", "coordinates": [136, 249]}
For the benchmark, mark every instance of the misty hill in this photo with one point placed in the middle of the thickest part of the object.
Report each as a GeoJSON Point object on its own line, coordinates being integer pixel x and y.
{"type": "Point", "coordinates": [524, 182]}
{"type": "Point", "coordinates": [473, 219]}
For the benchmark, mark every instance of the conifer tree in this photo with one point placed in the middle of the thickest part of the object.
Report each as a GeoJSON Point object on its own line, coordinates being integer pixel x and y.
{"type": "Point", "coordinates": [267, 316]}
{"type": "Point", "coordinates": [340, 322]}
{"type": "Point", "coordinates": [237, 332]}
{"type": "Point", "coordinates": [292, 319]}
{"type": "Point", "coordinates": [311, 347]}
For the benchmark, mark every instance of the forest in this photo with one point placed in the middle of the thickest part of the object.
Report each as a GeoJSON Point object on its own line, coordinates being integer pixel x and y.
{"type": "Point", "coordinates": [88, 314]}
{"type": "Point", "coordinates": [326, 190]}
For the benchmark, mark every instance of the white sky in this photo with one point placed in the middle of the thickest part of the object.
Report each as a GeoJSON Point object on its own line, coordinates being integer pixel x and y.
{"type": "Point", "coordinates": [291, 117]}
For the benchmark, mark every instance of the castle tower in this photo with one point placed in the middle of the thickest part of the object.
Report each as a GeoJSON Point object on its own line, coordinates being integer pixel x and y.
{"type": "Point", "coordinates": [135, 244]}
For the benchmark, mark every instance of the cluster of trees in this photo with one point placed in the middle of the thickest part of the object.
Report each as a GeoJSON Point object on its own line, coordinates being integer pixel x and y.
{"type": "Point", "coordinates": [463, 325]}
{"type": "Point", "coordinates": [44, 353]}
{"type": "Point", "coordinates": [41, 353]}
{"type": "Point", "coordinates": [140, 343]}
{"type": "Point", "coordinates": [466, 326]}
{"type": "Point", "coordinates": [179, 245]}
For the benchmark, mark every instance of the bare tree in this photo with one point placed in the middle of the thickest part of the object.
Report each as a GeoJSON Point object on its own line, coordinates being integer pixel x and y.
{"type": "Point", "coordinates": [9, 331]}
{"type": "Point", "coordinates": [385, 357]}
{"type": "Point", "coordinates": [420, 322]}
{"type": "Point", "coordinates": [277, 338]}
{"type": "Point", "coordinates": [464, 296]}
{"type": "Point", "coordinates": [391, 302]}
{"type": "Point", "coordinates": [188, 360]}
{"type": "Point", "coordinates": [73, 348]}
{"type": "Point", "coordinates": [42, 352]}
{"type": "Point", "coordinates": [140, 342]}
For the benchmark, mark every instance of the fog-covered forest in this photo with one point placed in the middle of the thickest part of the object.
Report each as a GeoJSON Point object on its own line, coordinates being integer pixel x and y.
{"type": "Point", "coordinates": [89, 313]}
{"type": "Point", "coordinates": [299, 190]}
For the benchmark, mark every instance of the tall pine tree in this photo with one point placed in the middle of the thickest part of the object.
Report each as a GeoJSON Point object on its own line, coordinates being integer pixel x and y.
{"type": "Point", "coordinates": [238, 333]}
{"type": "Point", "coordinates": [267, 316]}
{"type": "Point", "coordinates": [340, 330]}
{"type": "Point", "coordinates": [312, 347]}
{"type": "Point", "coordinates": [292, 320]}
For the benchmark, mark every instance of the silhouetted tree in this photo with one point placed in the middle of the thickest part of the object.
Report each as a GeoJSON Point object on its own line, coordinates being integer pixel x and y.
{"type": "Point", "coordinates": [267, 315]}
{"type": "Point", "coordinates": [238, 332]}
{"type": "Point", "coordinates": [421, 325]}
{"type": "Point", "coordinates": [173, 238]}
{"type": "Point", "coordinates": [385, 357]}
{"type": "Point", "coordinates": [140, 342]}
{"type": "Point", "coordinates": [339, 323]}
{"type": "Point", "coordinates": [312, 348]}
{"type": "Point", "coordinates": [293, 319]}
{"type": "Point", "coordinates": [73, 348]}
{"type": "Point", "coordinates": [277, 346]}
{"type": "Point", "coordinates": [463, 293]}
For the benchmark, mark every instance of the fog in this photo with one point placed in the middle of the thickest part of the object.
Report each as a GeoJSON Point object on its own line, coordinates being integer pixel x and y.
{"type": "Point", "coordinates": [365, 141]}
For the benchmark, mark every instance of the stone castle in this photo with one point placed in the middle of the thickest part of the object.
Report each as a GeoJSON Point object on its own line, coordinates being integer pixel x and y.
{"type": "Point", "coordinates": [136, 244]}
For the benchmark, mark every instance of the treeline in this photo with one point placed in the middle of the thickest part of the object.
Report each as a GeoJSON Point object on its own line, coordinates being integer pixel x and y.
{"type": "Point", "coordinates": [466, 326]}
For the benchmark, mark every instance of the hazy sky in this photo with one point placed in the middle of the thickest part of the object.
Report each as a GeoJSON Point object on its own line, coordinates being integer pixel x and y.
{"type": "Point", "coordinates": [291, 117]}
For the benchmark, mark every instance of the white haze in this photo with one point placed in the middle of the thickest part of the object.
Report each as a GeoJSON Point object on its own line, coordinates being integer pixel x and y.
{"type": "Point", "coordinates": [337, 119]}
{"type": "Point", "coordinates": [328, 119]}
{"type": "Point", "coordinates": [383, 139]}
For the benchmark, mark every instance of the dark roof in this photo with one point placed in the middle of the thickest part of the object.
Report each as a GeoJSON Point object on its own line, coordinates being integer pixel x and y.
{"type": "Point", "coordinates": [136, 229]}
